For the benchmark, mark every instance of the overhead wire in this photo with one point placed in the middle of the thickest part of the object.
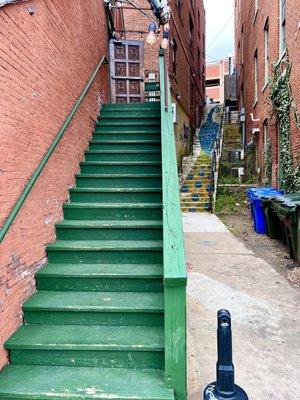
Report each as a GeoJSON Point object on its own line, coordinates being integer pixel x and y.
{"type": "Point", "coordinates": [220, 31]}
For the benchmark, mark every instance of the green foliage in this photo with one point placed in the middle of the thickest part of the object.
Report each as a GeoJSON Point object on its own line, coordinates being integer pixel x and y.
{"type": "Point", "coordinates": [251, 174]}
{"type": "Point", "coordinates": [268, 163]}
{"type": "Point", "coordinates": [228, 179]}
{"type": "Point", "coordinates": [282, 102]}
{"type": "Point", "coordinates": [231, 202]}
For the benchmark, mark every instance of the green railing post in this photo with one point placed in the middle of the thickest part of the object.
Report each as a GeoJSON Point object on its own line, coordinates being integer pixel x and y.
{"type": "Point", "coordinates": [175, 277]}
{"type": "Point", "coordinates": [50, 151]}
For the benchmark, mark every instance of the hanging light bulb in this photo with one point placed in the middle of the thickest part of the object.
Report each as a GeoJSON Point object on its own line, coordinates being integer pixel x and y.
{"type": "Point", "coordinates": [166, 36]}
{"type": "Point", "coordinates": [151, 38]}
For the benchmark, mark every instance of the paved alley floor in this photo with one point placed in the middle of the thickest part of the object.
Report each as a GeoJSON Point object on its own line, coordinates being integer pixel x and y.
{"type": "Point", "coordinates": [265, 311]}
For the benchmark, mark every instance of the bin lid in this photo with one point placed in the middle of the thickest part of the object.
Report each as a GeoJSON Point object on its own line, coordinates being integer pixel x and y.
{"type": "Point", "coordinates": [293, 196]}
{"type": "Point", "coordinates": [271, 193]}
{"type": "Point", "coordinates": [288, 198]}
{"type": "Point", "coordinates": [287, 206]}
{"type": "Point", "coordinates": [260, 188]}
{"type": "Point", "coordinates": [270, 197]}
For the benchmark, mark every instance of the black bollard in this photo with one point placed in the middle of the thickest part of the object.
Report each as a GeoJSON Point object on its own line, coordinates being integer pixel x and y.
{"type": "Point", "coordinates": [224, 388]}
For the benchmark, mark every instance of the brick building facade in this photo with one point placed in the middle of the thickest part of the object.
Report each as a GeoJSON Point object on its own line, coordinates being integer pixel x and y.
{"type": "Point", "coordinates": [265, 32]}
{"type": "Point", "coordinates": [215, 73]}
{"type": "Point", "coordinates": [186, 60]}
{"type": "Point", "coordinates": [48, 50]}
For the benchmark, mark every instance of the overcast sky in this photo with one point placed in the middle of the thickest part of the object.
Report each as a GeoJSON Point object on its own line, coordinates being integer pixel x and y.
{"type": "Point", "coordinates": [219, 28]}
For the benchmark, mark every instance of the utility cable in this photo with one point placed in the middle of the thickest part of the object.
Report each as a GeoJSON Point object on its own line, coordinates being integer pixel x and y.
{"type": "Point", "coordinates": [220, 32]}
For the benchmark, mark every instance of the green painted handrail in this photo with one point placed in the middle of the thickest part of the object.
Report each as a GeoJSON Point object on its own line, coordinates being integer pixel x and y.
{"type": "Point", "coordinates": [46, 157]}
{"type": "Point", "coordinates": [175, 275]}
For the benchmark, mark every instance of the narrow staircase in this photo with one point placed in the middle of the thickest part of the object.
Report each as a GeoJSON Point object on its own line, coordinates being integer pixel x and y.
{"type": "Point", "coordinates": [197, 187]}
{"type": "Point", "coordinates": [197, 184]}
{"type": "Point", "coordinates": [95, 327]}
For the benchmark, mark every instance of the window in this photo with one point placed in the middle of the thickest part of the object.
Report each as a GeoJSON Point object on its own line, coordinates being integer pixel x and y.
{"type": "Point", "coordinates": [174, 57]}
{"type": "Point", "coordinates": [242, 45]}
{"type": "Point", "coordinates": [212, 82]}
{"type": "Point", "coordinates": [255, 77]}
{"type": "Point", "coordinates": [282, 19]}
{"type": "Point", "coordinates": [179, 4]}
{"type": "Point", "coordinates": [266, 133]}
{"type": "Point", "coordinates": [256, 5]}
{"type": "Point", "coordinates": [191, 33]}
{"type": "Point", "coordinates": [199, 63]}
{"type": "Point", "coordinates": [266, 36]}
{"type": "Point", "coordinates": [242, 115]}
{"type": "Point", "coordinates": [237, 6]}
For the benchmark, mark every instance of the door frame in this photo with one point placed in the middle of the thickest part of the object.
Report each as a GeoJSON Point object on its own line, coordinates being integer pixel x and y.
{"type": "Point", "coordinates": [129, 78]}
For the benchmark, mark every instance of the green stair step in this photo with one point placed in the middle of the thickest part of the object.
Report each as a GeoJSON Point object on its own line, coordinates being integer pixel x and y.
{"type": "Point", "coordinates": [110, 224]}
{"type": "Point", "coordinates": [112, 271]}
{"type": "Point", "coordinates": [113, 211]}
{"type": "Point", "coordinates": [95, 308]}
{"type": "Point", "coordinates": [74, 337]}
{"type": "Point", "coordinates": [126, 131]}
{"type": "Point", "coordinates": [125, 167]}
{"type": "Point", "coordinates": [130, 122]}
{"type": "Point", "coordinates": [125, 155]}
{"type": "Point", "coordinates": [60, 383]}
{"type": "Point", "coordinates": [116, 195]}
{"type": "Point", "coordinates": [130, 115]}
{"type": "Point", "coordinates": [109, 230]}
{"type": "Point", "coordinates": [104, 245]}
{"type": "Point", "coordinates": [118, 180]}
{"type": "Point", "coordinates": [101, 277]}
{"type": "Point", "coordinates": [127, 141]}
{"type": "Point", "coordinates": [119, 136]}
{"type": "Point", "coordinates": [97, 346]}
{"type": "Point", "coordinates": [125, 145]}
{"type": "Point", "coordinates": [106, 251]}
{"type": "Point", "coordinates": [131, 106]}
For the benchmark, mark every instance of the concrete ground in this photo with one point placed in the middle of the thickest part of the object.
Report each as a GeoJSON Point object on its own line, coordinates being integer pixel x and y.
{"type": "Point", "coordinates": [264, 307]}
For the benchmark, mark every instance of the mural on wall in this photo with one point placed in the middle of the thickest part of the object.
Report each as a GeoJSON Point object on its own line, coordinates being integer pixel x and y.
{"type": "Point", "coordinates": [210, 128]}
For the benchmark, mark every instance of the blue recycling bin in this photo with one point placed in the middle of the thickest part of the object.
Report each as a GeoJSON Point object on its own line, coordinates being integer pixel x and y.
{"type": "Point", "coordinates": [257, 209]}
{"type": "Point", "coordinates": [250, 193]}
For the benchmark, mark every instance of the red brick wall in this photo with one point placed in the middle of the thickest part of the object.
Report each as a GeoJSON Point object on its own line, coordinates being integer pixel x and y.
{"type": "Point", "coordinates": [214, 93]}
{"type": "Point", "coordinates": [45, 61]}
{"type": "Point", "coordinates": [213, 71]}
{"type": "Point", "coordinates": [134, 20]}
{"type": "Point", "coordinates": [252, 40]}
{"type": "Point", "coordinates": [188, 82]}
{"type": "Point", "coordinates": [189, 79]}
{"type": "Point", "coordinates": [293, 35]}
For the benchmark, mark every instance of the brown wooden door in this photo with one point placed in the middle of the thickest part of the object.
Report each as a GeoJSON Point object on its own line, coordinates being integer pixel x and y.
{"type": "Point", "coordinates": [127, 71]}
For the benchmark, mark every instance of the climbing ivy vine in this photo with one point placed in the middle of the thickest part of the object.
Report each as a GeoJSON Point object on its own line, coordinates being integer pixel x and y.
{"type": "Point", "coordinates": [283, 103]}
{"type": "Point", "coordinates": [268, 162]}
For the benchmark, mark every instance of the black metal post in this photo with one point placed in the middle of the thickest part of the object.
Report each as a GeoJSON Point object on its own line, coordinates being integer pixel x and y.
{"type": "Point", "coordinates": [224, 388]}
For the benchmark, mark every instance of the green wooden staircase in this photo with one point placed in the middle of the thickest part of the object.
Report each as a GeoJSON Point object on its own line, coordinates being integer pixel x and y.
{"type": "Point", "coordinates": [108, 318]}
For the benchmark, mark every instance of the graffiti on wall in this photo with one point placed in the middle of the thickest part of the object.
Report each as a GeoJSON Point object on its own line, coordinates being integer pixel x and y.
{"type": "Point", "coordinates": [210, 127]}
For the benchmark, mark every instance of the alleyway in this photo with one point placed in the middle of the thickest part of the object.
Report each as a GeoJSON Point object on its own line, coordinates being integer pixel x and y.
{"type": "Point", "coordinates": [264, 307]}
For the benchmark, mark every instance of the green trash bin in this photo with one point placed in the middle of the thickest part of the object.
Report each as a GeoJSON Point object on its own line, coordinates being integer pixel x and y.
{"type": "Point", "coordinates": [286, 209]}
{"type": "Point", "coordinates": [274, 226]}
